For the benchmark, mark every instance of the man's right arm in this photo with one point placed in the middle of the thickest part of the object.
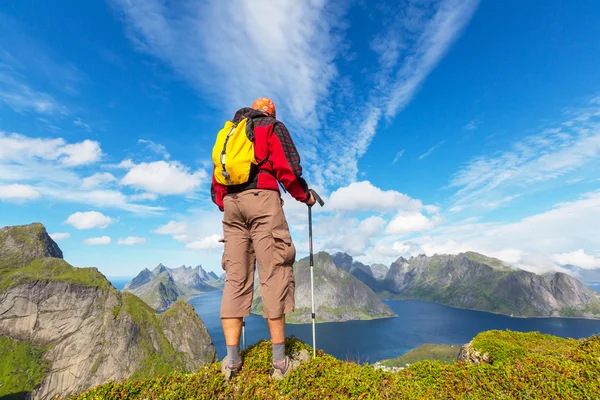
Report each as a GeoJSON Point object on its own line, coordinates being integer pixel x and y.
{"type": "Point", "coordinates": [285, 160]}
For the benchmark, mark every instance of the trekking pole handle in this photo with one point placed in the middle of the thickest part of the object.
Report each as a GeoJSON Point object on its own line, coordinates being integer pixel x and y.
{"type": "Point", "coordinates": [317, 197]}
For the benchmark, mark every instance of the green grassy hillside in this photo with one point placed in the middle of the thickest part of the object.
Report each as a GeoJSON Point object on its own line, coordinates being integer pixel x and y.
{"type": "Point", "coordinates": [524, 365]}
{"type": "Point", "coordinates": [444, 353]}
{"type": "Point", "coordinates": [21, 368]}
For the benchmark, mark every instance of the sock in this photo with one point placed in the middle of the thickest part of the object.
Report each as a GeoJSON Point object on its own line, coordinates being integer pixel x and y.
{"type": "Point", "coordinates": [279, 353]}
{"type": "Point", "coordinates": [233, 355]}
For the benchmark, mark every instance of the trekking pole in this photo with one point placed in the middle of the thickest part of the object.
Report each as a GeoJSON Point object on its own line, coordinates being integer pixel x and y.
{"type": "Point", "coordinates": [244, 333]}
{"type": "Point", "coordinates": [312, 264]}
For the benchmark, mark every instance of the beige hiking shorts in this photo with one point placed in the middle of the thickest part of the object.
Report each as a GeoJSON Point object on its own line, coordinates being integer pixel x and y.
{"type": "Point", "coordinates": [254, 227]}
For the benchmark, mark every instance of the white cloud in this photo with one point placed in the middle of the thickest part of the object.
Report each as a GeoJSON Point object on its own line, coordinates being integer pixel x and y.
{"type": "Point", "coordinates": [364, 196]}
{"type": "Point", "coordinates": [16, 148]}
{"type": "Point", "coordinates": [578, 258]}
{"type": "Point", "coordinates": [58, 236]}
{"type": "Point", "coordinates": [86, 152]}
{"type": "Point", "coordinates": [98, 241]}
{"type": "Point", "coordinates": [131, 240]}
{"type": "Point", "coordinates": [408, 222]}
{"type": "Point", "coordinates": [97, 179]}
{"type": "Point", "coordinates": [156, 148]}
{"type": "Point", "coordinates": [207, 243]}
{"type": "Point", "coordinates": [47, 165]}
{"type": "Point", "coordinates": [162, 177]}
{"type": "Point", "coordinates": [89, 220]}
{"type": "Point", "coordinates": [18, 193]}
{"type": "Point", "coordinates": [172, 228]}
{"type": "Point", "coordinates": [371, 226]}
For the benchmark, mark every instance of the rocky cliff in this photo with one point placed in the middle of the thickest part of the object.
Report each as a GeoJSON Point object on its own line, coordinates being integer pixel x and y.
{"type": "Point", "coordinates": [379, 271]}
{"type": "Point", "coordinates": [339, 296]}
{"type": "Point", "coordinates": [163, 286]}
{"type": "Point", "coordinates": [474, 281]}
{"type": "Point", "coordinates": [87, 331]}
{"type": "Point", "coordinates": [361, 271]}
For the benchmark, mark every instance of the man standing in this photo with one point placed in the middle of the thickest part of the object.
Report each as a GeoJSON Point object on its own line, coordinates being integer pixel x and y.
{"type": "Point", "coordinates": [254, 225]}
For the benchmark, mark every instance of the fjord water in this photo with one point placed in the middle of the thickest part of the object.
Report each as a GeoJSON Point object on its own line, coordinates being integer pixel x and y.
{"type": "Point", "coordinates": [418, 322]}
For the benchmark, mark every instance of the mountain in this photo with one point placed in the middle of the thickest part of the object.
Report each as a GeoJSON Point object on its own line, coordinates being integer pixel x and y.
{"type": "Point", "coordinates": [474, 281]}
{"type": "Point", "coordinates": [361, 271]}
{"type": "Point", "coordinates": [379, 271]}
{"type": "Point", "coordinates": [75, 331]}
{"type": "Point", "coordinates": [339, 296]}
{"type": "Point", "coordinates": [163, 286]}
{"type": "Point", "coordinates": [584, 275]}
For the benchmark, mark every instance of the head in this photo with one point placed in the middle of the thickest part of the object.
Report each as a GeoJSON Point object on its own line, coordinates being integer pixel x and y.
{"type": "Point", "coordinates": [265, 105]}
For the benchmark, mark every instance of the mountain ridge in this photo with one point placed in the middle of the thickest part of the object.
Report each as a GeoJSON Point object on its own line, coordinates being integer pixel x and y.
{"type": "Point", "coordinates": [163, 286]}
{"type": "Point", "coordinates": [474, 281]}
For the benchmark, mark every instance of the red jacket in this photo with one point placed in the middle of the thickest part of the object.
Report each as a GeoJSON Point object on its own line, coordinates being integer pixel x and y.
{"type": "Point", "coordinates": [273, 142]}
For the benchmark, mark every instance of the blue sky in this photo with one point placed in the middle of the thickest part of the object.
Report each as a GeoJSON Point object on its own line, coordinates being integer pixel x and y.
{"type": "Point", "coordinates": [429, 126]}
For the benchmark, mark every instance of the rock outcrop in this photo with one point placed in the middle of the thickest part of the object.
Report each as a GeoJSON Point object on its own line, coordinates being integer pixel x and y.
{"type": "Point", "coordinates": [469, 354]}
{"type": "Point", "coordinates": [474, 281]}
{"type": "Point", "coordinates": [339, 296]}
{"type": "Point", "coordinates": [90, 331]}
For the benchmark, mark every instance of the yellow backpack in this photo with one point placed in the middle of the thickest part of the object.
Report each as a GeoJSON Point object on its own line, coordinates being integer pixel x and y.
{"type": "Point", "coordinates": [233, 153]}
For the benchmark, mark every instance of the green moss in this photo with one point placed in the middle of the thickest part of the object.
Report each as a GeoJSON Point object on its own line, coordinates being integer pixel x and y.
{"type": "Point", "coordinates": [22, 367]}
{"type": "Point", "coordinates": [526, 365]}
{"type": "Point", "coordinates": [444, 353]}
{"type": "Point", "coordinates": [51, 269]}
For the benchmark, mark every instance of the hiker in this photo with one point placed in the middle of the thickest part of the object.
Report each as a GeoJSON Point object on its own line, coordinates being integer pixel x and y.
{"type": "Point", "coordinates": [254, 226]}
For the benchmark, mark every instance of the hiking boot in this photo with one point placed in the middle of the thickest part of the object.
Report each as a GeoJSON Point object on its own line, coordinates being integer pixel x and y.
{"type": "Point", "coordinates": [230, 371]}
{"type": "Point", "coordinates": [291, 363]}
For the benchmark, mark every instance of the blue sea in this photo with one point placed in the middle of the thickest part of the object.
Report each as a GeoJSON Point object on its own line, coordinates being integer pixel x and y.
{"type": "Point", "coordinates": [417, 323]}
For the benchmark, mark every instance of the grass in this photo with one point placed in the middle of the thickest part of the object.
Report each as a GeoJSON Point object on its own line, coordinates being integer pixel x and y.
{"type": "Point", "coordinates": [444, 353]}
{"type": "Point", "coordinates": [51, 269]}
{"type": "Point", "coordinates": [21, 369]}
{"type": "Point", "coordinates": [525, 365]}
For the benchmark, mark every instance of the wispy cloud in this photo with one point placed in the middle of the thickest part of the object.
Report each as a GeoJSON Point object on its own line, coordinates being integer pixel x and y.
{"type": "Point", "coordinates": [33, 78]}
{"type": "Point", "coordinates": [295, 50]}
{"type": "Point", "coordinates": [567, 146]}
{"type": "Point", "coordinates": [22, 98]}
{"type": "Point", "coordinates": [156, 148]}
{"type": "Point", "coordinates": [430, 151]}
{"type": "Point", "coordinates": [471, 126]}
{"type": "Point", "coordinates": [79, 122]}
{"type": "Point", "coordinates": [398, 156]}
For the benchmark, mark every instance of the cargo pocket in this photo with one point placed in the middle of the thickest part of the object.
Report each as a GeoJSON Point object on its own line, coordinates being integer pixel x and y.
{"type": "Point", "coordinates": [284, 251]}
